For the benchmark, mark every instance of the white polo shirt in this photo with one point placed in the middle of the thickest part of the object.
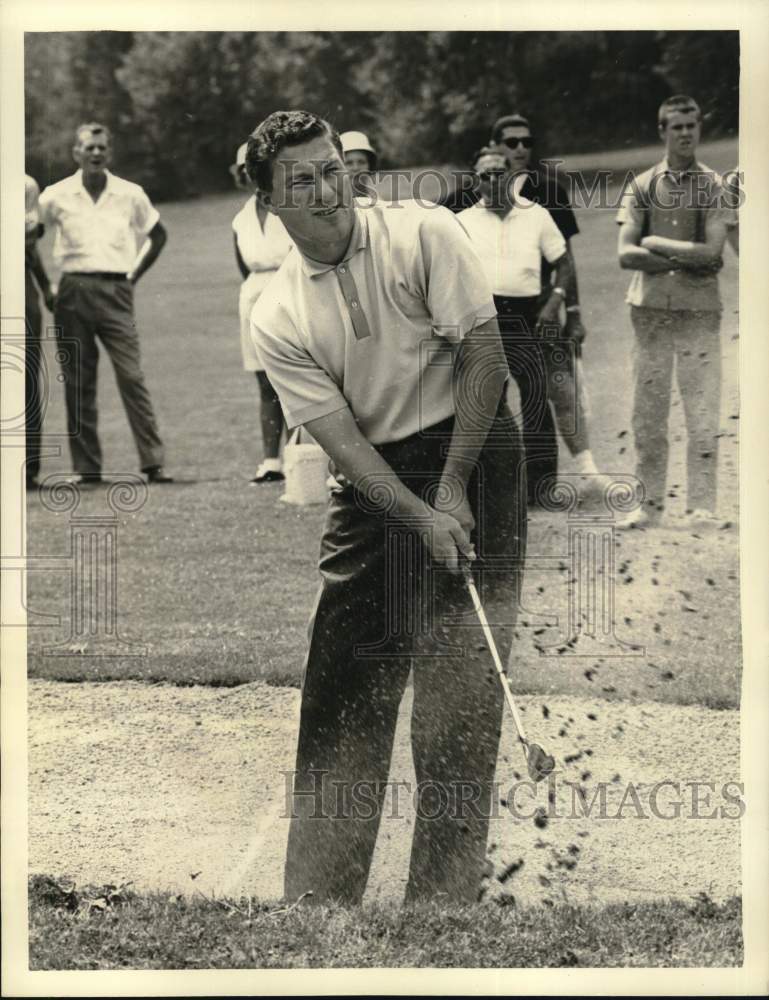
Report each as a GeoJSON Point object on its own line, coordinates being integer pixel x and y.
{"type": "Point", "coordinates": [379, 331]}
{"type": "Point", "coordinates": [511, 247]}
{"type": "Point", "coordinates": [104, 235]}
{"type": "Point", "coordinates": [263, 247]}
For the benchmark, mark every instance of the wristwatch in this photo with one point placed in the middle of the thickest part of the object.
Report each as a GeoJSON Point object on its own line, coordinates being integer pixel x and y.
{"type": "Point", "coordinates": [557, 290]}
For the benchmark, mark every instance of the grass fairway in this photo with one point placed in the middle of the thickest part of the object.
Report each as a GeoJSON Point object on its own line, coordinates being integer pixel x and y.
{"type": "Point", "coordinates": [216, 578]}
{"type": "Point", "coordinates": [169, 932]}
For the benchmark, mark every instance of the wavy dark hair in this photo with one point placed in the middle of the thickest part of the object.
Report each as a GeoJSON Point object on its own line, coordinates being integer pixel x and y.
{"type": "Point", "coordinates": [278, 130]}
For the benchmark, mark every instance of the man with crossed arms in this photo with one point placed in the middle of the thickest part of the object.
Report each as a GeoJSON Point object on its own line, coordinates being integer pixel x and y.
{"type": "Point", "coordinates": [380, 337]}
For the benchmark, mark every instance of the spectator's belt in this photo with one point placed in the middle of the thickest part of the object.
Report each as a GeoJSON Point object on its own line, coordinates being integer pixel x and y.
{"type": "Point", "coordinates": [101, 275]}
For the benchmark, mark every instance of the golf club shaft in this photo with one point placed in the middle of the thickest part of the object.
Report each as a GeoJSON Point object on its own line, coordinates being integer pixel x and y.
{"type": "Point", "coordinates": [495, 657]}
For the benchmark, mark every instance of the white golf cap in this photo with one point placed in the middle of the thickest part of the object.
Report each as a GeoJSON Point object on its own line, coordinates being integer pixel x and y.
{"type": "Point", "coordinates": [355, 140]}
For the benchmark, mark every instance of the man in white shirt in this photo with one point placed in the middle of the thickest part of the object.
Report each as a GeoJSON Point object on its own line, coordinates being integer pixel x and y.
{"type": "Point", "coordinates": [511, 235]}
{"type": "Point", "coordinates": [379, 336]}
{"type": "Point", "coordinates": [107, 234]}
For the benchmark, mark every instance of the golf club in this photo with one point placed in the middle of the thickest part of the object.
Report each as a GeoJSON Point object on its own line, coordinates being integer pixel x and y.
{"type": "Point", "coordinates": [539, 763]}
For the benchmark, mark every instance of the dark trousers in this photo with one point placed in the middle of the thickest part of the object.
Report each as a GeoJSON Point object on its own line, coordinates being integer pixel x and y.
{"type": "Point", "coordinates": [527, 359]}
{"type": "Point", "coordinates": [88, 308]}
{"type": "Point", "coordinates": [381, 604]}
{"type": "Point", "coordinates": [33, 405]}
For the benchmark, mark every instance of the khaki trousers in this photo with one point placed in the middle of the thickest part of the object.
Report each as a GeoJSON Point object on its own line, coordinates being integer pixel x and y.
{"type": "Point", "coordinates": [691, 340]}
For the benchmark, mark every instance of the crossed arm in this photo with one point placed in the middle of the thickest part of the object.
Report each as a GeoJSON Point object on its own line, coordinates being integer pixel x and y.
{"type": "Point", "coordinates": [654, 254]}
{"type": "Point", "coordinates": [480, 372]}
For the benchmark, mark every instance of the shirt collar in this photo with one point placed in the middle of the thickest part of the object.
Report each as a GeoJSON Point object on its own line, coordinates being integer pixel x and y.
{"type": "Point", "coordinates": [695, 167]}
{"type": "Point", "coordinates": [358, 240]}
{"type": "Point", "coordinates": [77, 178]}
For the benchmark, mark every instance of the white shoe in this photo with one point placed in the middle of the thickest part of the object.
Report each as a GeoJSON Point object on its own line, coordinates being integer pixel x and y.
{"type": "Point", "coordinates": [270, 471]}
{"type": "Point", "coordinates": [640, 518]}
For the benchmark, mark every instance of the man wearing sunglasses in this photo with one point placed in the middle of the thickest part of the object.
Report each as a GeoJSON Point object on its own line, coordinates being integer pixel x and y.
{"type": "Point", "coordinates": [512, 136]}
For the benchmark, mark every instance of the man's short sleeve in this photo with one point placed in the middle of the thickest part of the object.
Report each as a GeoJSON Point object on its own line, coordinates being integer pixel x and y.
{"type": "Point", "coordinates": [306, 391]}
{"type": "Point", "coordinates": [552, 244]}
{"type": "Point", "coordinates": [449, 275]}
{"type": "Point", "coordinates": [144, 215]}
{"type": "Point", "coordinates": [631, 208]}
{"type": "Point", "coordinates": [31, 213]}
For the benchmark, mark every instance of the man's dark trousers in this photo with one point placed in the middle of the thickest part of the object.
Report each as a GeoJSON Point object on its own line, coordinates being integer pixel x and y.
{"type": "Point", "coordinates": [380, 604]}
{"type": "Point", "coordinates": [526, 359]}
{"type": "Point", "coordinates": [87, 308]}
{"type": "Point", "coordinates": [33, 410]}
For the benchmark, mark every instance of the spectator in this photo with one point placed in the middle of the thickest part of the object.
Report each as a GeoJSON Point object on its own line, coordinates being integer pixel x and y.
{"type": "Point", "coordinates": [34, 278]}
{"type": "Point", "coordinates": [261, 245]}
{"type": "Point", "coordinates": [511, 234]}
{"type": "Point", "coordinates": [101, 221]}
{"type": "Point", "coordinates": [361, 161]}
{"type": "Point", "coordinates": [673, 227]}
{"type": "Point", "coordinates": [567, 390]}
{"type": "Point", "coordinates": [379, 336]}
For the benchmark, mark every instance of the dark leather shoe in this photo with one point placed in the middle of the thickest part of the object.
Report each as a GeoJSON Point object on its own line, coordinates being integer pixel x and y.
{"type": "Point", "coordinates": [156, 474]}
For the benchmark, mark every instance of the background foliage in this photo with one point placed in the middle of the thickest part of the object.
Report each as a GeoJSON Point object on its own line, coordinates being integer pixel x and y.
{"type": "Point", "coordinates": [179, 103]}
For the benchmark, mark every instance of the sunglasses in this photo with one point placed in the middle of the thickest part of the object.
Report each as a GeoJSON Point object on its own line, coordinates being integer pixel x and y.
{"type": "Point", "coordinates": [527, 142]}
{"type": "Point", "coordinates": [491, 175]}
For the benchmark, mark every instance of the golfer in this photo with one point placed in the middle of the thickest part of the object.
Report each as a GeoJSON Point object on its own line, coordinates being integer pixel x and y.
{"type": "Point", "coordinates": [107, 235]}
{"type": "Point", "coordinates": [380, 337]}
{"type": "Point", "coordinates": [261, 245]}
{"type": "Point", "coordinates": [674, 220]}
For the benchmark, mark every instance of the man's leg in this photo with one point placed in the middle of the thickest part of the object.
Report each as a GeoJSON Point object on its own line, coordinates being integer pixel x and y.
{"type": "Point", "coordinates": [75, 320]}
{"type": "Point", "coordinates": [698, 368]}
{"type": "Point", "coordinates": [33, 409]}
{"type": "Point", "coordinates": [652, 379]}
{"type": "Point", "coordinates": [458, 700]}
{"type": "Point", "coordinates": [348, 715]}
{"type": "Point", "coordinates": [117, 330]}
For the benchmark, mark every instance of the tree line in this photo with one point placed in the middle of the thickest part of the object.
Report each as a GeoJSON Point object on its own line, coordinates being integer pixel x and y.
{"type": "Point", "coordinates": [179, 103]}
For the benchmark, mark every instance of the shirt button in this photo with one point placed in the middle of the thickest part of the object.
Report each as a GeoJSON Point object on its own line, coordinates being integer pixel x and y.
{"type": "Point", "coordinates": [354, 304]}
{"type": "Point", "coordinates": [675, 222]}
{"type": "Point", "coordinates": [342, 269]}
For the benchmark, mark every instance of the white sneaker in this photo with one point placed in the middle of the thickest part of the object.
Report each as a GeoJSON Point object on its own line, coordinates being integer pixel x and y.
{"type": "Point", "coordinates": [639, 518]}
{"type": "Point", "coordinates": [270, 471]}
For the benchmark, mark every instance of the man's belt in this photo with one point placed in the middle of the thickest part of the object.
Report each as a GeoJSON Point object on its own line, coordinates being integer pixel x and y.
{"type": "Point", "coordinates": [100, 275]}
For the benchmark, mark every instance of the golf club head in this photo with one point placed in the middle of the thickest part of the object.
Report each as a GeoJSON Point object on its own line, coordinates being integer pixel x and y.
{"type": "Point", "coordinates": [540, 763]}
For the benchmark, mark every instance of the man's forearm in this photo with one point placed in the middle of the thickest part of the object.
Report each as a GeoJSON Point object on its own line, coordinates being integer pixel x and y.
{"type": "Point", "coordinates": [480, 373]}
{"type": "Point", "coordinates": [681, 251]}
{"type": "Point", "coordinates": [157, 240]}
{"type": "Point", "coordinates": [640, 259]}
{"type": "Point", "coordinates": [572, 291]}
{"type": "Point", "coordinates": [359, 462]}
